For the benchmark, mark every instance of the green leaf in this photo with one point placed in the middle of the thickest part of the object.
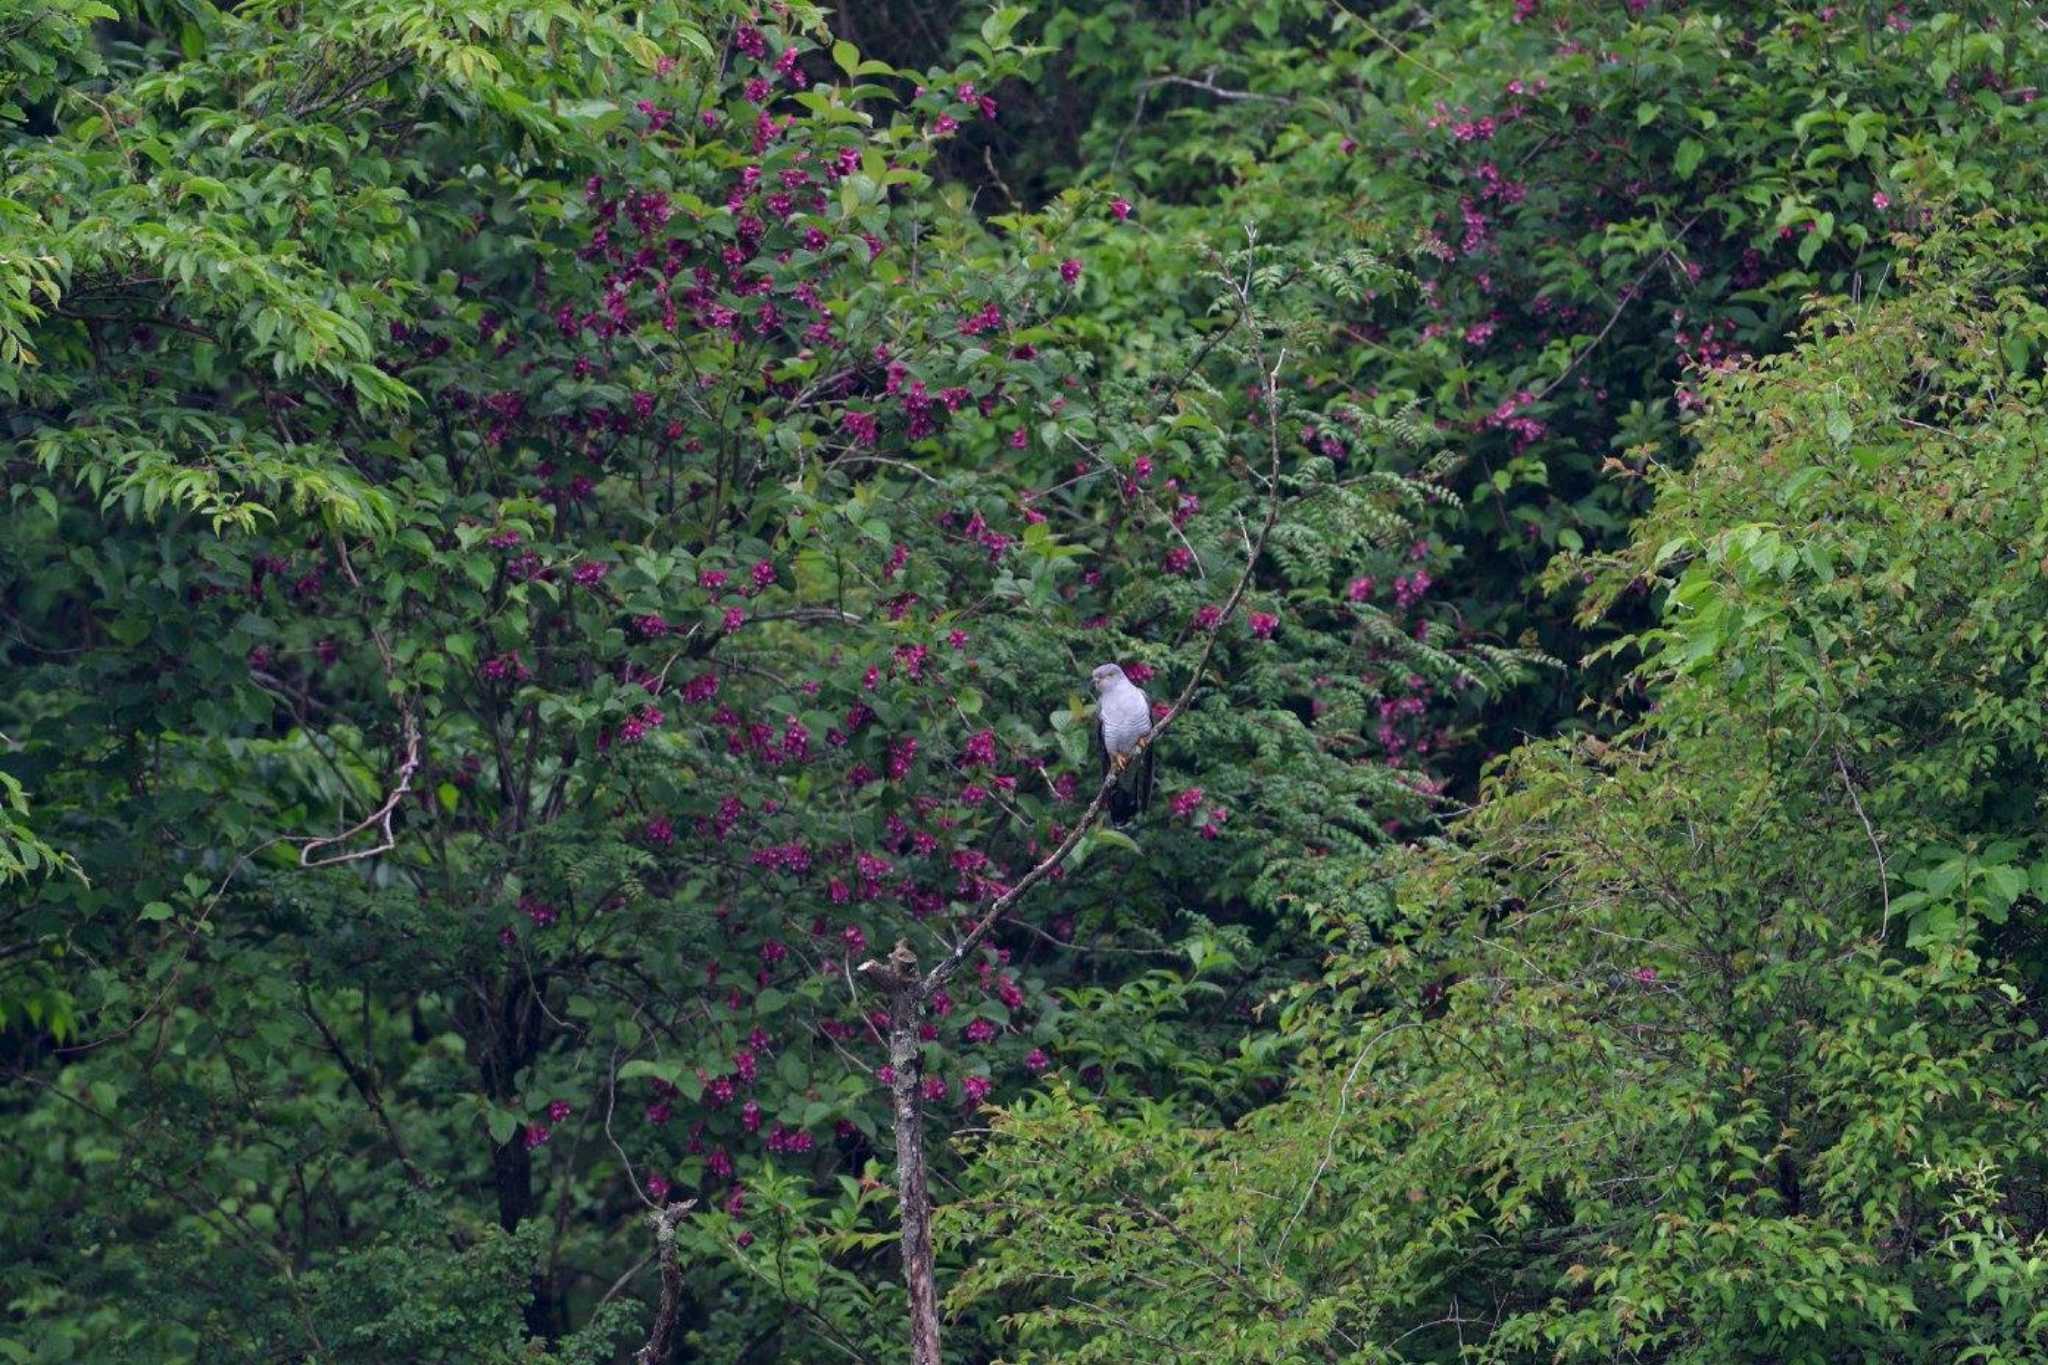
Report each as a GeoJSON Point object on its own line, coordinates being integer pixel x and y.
{"type": "Point", "coordinates": [1840, 429]}
{"type": "Point", "coordinates": [1116, 838]}
{"type": "Point", "coordinates": [996, 29]}
{"type": "Point", "coordinates": [649, 1067]}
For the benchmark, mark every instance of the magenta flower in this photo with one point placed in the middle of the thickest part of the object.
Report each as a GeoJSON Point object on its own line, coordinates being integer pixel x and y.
{"type": "Point", "coordinates": [537, 1135]}
{"type": "Point", "coordinates": [862, 426]}
{"type": "Point", "coordinates": [1070, 270]}
{"type": "Point", "coordinates": [1037, 1062]}
{"type": "Point", "coordinates": [638, 725]}
{"type": "Point", "coordinates": [1187, 803]}
{"type": "Point", "coordinates": [734, 619]}
{"type": "Point", "coordinates": [1180, 560]}
{"type": "Point", "coordinates": [975, 1088]}
{"type": "Point", "coordinates": [559, 1111]}
{"type": "Point", "coordinates": [1120, 208]}
{"type": "Point", "coordinates": [1881, 200]}
{"type": "Point", "coordinates": [1208, 617]}
{"type": "Point", "coordinates": [1263, 624]}
{"type": "Point", "coordinates": [980, 750]}
{"type": "Point", "coordinates": [504, 667]}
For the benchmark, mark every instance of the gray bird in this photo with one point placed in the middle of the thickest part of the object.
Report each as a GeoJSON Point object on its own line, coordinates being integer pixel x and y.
{"type": "Point", "coordinates": [1123, 719]}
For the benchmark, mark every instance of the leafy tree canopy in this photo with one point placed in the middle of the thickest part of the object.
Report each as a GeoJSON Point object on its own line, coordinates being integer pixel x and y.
{"type": "Point", "coordinates": [539, 539]}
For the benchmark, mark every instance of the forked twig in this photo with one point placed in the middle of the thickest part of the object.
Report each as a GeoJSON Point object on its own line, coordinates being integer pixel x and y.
{"type": "Point", "coordinates": [380, 818]}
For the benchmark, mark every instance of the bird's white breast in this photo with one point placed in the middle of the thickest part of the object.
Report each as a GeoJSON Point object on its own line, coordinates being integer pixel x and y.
{"type": "Point", "coordinates": [1126, 717]}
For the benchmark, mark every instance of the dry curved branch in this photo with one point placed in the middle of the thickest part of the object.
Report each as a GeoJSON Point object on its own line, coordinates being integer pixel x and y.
{"type": "Point", "coordinates": [380, 818]}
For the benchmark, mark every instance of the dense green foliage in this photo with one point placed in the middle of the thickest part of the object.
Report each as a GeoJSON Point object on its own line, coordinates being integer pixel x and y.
{"type": "Point", "coordinates": [539, 537]}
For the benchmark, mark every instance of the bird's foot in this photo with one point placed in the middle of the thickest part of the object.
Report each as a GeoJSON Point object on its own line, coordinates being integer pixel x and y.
{"type": "Point", "coordinates": [1119, 762]}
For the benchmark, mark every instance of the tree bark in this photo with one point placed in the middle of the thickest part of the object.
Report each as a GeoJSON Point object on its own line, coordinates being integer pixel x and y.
{"type": "Point", "coordinates": [665, 1220]}
{"type": "Point", "coordinates": [906, 1006]}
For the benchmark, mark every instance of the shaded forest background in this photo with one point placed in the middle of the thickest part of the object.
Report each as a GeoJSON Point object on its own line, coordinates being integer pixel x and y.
{"type": "Point", "coordinates": [538, 538]}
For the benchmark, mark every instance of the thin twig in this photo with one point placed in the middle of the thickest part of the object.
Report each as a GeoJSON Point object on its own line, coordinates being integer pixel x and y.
{"type": "Point", "coordinates": [1330, 1142]}
{"type": "Point", "coordinates": [1884, 879]}
{"type": "Point", "coordinates": [1629, 294]}
{"type": "Point", "coordinates": [1208, 86]}
{"type": "Point", "coordinates": [1395, 47]}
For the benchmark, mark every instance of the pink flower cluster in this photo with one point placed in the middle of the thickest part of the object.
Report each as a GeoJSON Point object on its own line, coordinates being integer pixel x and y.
{"type": "Point", "coordinates": [1510, 417]}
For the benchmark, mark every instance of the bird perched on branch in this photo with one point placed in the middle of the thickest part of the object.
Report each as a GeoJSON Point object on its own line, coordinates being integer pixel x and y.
{"type": "Point", "coordinates": [1123, 720]}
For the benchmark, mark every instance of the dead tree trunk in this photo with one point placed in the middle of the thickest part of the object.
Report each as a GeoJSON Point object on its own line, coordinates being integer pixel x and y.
{"type": "Point", "coordinates": [898, 977]}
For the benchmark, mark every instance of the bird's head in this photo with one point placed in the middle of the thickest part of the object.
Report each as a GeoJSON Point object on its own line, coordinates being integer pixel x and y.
{"type": "Point", "coordinates": [1107, 675]}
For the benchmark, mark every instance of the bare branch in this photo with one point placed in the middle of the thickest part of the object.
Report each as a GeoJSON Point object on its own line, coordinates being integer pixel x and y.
{"type": "Point", "coordinates": [1207, 85]}
{"type": "Point", "coordinates": [664, 1221]}
{"type": "Point", "coordinates": [380, 818]}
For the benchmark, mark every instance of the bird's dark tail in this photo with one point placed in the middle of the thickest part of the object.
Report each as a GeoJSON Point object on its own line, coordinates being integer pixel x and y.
{"type": "Point", "coordinates": [1133, 792]}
